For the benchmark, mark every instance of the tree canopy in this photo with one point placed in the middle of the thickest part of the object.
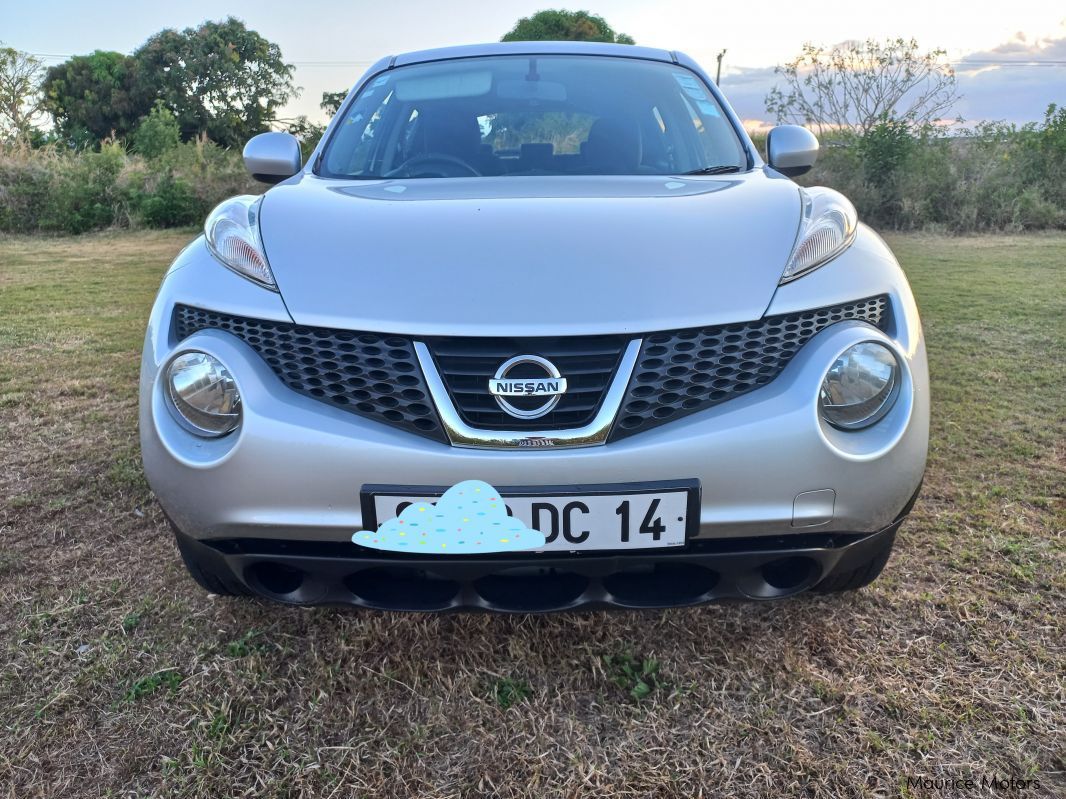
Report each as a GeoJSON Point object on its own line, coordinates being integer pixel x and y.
{"type": "Point", "coordinates": [219, 79]}
{"type": "Point", "coordinates": [858, 85]}
{"type": "Point", "coordinates": [157, 133]}
{"type": "Point", "coordinates": [564, 26]}
{"type": "Point", "coordinates": [94, 96]}
{"type": "Point", "coordinates": [332, 101]}
{"type": "Point", "coordinates": [20, 97]}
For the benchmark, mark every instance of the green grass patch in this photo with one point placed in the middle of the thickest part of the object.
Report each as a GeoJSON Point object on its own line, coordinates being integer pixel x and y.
{"type": "Point", "coordinates": [245, 645]}
{"type": "Point", "coordinates": [168, 679]}
{"type": "Point", "coordinates": [637, 676]}
{"type": "Point", "coordinates": [509, 691]}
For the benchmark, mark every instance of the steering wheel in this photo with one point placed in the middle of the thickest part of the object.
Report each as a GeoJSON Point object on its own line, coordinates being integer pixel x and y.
{"type": "Point", "coordinates": [439, 165]}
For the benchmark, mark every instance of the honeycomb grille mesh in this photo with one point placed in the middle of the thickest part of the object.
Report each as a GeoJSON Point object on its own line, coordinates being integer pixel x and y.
{"type": "Point", "coordinates": [372, 374]}
{"type": "Point", "coordinates": [684, 371]}
{"type": "Point", "coordinates": [677, 372]}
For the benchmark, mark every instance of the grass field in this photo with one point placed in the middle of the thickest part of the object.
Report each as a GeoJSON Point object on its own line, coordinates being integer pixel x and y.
{"type": "Point", "coordinates": [119, 677]}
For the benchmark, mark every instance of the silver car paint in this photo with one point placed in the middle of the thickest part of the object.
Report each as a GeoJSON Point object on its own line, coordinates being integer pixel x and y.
{"type": "Point", "coordinates": [272, 156]}
{"type": "Point", "coordinates": [529, 256]}
{"type": "Point", "coordinates": [791, 149]}
{"type": "Point", "coordinates": [294, 468]}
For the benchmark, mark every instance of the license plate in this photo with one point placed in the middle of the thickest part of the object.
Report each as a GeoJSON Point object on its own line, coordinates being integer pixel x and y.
{"type": "Point", "coordinates": [618, 516]}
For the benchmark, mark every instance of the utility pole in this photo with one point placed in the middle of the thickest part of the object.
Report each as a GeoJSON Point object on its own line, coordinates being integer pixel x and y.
{"type": "Point", "coordinates": [718, 74]}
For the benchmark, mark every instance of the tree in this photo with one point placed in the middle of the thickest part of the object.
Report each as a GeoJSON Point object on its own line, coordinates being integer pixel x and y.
{"type": "Point", "coordinates": [94, 96]}
{"type": "Point", "coordinates": [20, 92]}
{"type": "Point", "coordinates": [308, 132]}
{"type": "Point", "coordinates": [332, 101]}
{"type": "Point", "coordinates": [564, 26]}
{"type": "Point", "coordinates": [858, 85]}
{"type": "Point", "coordinates": [219, 79]}
{"type": "Point", "coordinates": [157, 133]}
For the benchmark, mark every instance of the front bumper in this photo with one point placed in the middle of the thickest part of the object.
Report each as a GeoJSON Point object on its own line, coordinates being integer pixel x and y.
{"type": "Point", "coordinates": [294, 469]}
{"type": "Point", "coordinates": [304, 573]}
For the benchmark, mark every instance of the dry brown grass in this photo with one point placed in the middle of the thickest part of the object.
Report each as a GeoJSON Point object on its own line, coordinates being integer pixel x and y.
{"type": "Point", "coordinates": [121, 678]}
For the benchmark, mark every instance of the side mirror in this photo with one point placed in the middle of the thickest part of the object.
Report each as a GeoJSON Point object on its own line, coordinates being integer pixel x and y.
{"type": "Point", "coordinates": [791, 149]}
{"type": "Point", "coordinates": [272, 157]}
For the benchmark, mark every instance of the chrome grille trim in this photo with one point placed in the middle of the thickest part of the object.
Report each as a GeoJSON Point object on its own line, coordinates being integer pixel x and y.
{"type": "Point", "coordinates": [592, 434]}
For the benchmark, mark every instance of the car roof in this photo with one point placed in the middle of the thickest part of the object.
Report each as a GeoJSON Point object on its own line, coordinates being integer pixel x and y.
{"type": "Point", "coordinates": [534, 48]}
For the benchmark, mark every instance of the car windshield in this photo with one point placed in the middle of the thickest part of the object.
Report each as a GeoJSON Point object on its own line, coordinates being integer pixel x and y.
{"type": "Point", "coordinates": [533, 115]}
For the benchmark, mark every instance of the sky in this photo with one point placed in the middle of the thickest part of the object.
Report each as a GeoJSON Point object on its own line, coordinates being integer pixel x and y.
{"type": "Point", "coordinates": [332, 43]}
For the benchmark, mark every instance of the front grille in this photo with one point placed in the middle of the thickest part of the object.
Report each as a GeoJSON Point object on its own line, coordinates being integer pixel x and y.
{"type": "Point", "coordinates": [677, 372]}
{"type": "Point", "coordinates": [587, 362]}
{"type": "Point", "coordinates": [684, 371]}
{"type": "Point", "coordinates": [372, 374]}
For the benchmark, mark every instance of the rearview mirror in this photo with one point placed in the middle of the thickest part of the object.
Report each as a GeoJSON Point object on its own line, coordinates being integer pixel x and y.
{"type": "Point", "coordinates": [791, 149]}
{"type": "Point", "coordinates": [272, 157]}
{"type": "Point", "coordinates": [531, 90]}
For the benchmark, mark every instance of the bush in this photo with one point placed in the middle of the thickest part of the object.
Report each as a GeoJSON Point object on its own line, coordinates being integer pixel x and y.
{"type": "Point", "coordinates": [54, 189]}
{"type": "Point", "coordinates": [213, 172]}
{"type": "Point", "coordinates": [83, 195]}
{"type": "Point", "coordinates": [157, 133]}
{"type": "Point", "coordinates": [24, 185]}
{"type": "Point", "coordinates": [992, 177]}
{"type": "Point", "coordinates": [884, 150]}
{"type": "Point", "coordinates": [172, 204]}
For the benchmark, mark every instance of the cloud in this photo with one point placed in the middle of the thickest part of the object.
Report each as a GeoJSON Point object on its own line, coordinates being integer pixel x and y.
{"type": "Point", "coordinates": [1022, 48]}
{"type": "Point", "coordinates": [469, 519]}
{"type": "Point", "coordinates": [1010, 94]}
{"type": "Point", "coordinates": [1004, 83]}
{"type": "Point", "coordinates": [746, 89]}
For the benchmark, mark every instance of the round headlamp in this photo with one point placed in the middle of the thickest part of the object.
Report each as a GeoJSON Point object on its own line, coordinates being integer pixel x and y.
{"type": "Point", "coordinates": [860, 387]}
{"type": "Point", "coordinates": [202, 394]}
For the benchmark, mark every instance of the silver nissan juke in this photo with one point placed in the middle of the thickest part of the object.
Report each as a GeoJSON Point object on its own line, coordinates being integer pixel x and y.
{"type": "Point", "coordinates": [557, 272]}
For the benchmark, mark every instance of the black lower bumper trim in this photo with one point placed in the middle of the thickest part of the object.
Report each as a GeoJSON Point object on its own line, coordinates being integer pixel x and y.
{"type": "Point", "coordinates": [705, 571]}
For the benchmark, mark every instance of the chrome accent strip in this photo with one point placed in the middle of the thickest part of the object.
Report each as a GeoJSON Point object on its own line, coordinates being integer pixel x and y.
{"type": "Point", "coordinates": [593, 434]}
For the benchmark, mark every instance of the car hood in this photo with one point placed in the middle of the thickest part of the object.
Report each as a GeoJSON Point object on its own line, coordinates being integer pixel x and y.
{"type": "Point", "coordinates": [527, 256]}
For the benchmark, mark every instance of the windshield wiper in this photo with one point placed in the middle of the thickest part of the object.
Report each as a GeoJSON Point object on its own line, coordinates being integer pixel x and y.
{"type": "Point", "coordinates": [720, 169]}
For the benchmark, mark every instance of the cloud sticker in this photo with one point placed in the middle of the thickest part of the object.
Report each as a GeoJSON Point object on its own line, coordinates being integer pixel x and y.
{"type": "Point", "coordinates": [471, 518]}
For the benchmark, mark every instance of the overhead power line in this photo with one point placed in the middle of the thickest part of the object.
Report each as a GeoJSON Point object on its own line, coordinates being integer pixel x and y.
{"type": "Point", "coordinates": [298, 62]}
